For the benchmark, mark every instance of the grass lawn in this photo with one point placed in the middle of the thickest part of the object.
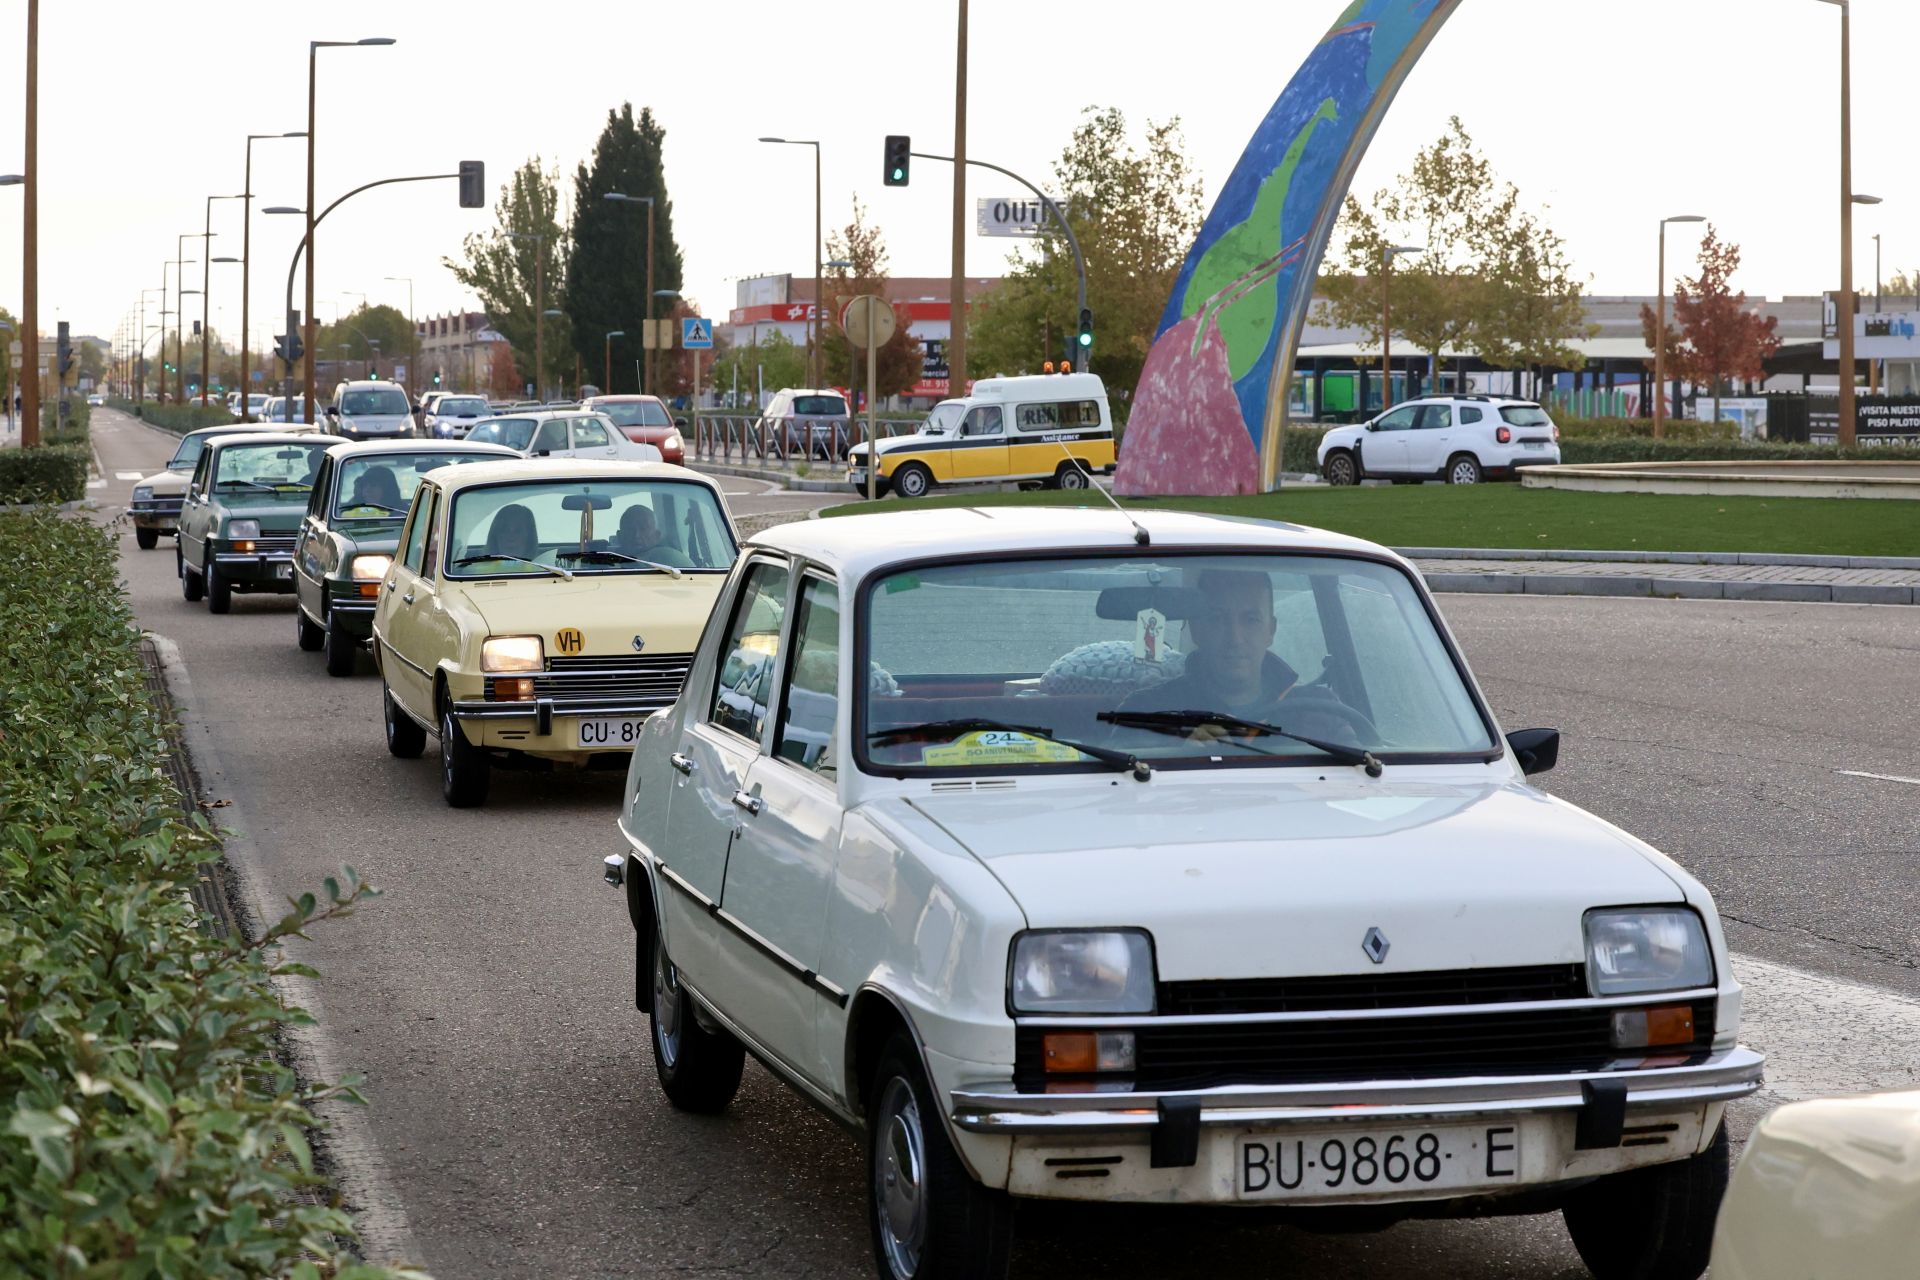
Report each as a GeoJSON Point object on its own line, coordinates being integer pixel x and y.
{"type": "Point", "coordinates": [1506, 515]}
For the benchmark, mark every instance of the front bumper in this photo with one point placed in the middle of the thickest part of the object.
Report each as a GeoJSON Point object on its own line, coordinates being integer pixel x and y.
{"type": "Point", "coordinates": [257, 570]}
{"type": "Point", "coordinates": [164, 516]}
{"type": "Point", "coordinates": [1185, 1147]}
{"type": "Point", "coordinates": [353, 610]}
{"type": "Point", "coordinates": [542, 728]}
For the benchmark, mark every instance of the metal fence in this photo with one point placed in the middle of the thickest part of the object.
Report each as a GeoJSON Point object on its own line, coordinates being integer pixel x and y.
{"type": "Point", "coordinates": [786, 443]}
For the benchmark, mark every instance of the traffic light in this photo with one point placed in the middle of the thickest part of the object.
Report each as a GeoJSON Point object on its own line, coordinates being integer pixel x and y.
{"type": "Point", "coordinates": [436, 377]}
{"type": "Point", "coordinates": [473, 184]}
{"type": "Point", "coordinates": [1086, 328]}
{"type": "Point", "coordinates": [899, 159]}
{"type": "Point", "coordinates": [289, 347]}
{"type": "Point", "coordinates": [64, 345]}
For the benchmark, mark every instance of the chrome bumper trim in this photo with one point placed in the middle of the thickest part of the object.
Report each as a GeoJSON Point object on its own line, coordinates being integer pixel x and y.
{"type": "Point", "coordinates": [253, 557]}
{"type": "Point", "coordinates": [999, 1109]}
{"type": "Point", "coordinates": [471, 710]}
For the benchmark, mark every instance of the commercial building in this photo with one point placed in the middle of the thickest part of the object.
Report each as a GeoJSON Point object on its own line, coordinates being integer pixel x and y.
{"type": "Point", "coordinates": [459, 347]}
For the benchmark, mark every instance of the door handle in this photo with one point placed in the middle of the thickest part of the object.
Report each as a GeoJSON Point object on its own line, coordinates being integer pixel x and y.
{"type": "Point", "coordinates": [407, 598]}
{"type": "Point", "coordinates": [752, 804]}
{"type": "Point", "coordinates": [390, 582]}
{"type": "Point", "coordinates": [683, 763]}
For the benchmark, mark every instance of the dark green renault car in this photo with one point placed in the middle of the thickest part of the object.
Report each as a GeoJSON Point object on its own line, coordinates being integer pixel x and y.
{"type": "Point", "coordinates": [242, 511]}
{"type": "Point", "coordinates": [345, 545]}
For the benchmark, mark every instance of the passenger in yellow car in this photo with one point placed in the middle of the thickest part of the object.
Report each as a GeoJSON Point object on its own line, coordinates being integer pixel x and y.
{"type": "Point", "coordinates": [513, 533]}
{"type": "Point", "coordinates": [641, 538]}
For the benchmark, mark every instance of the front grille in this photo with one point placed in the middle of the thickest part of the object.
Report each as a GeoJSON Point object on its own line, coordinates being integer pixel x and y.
{"type": "Point", "coordinates": [650, 681]}
{"type": "Point", "coordinates": [1527, 1042]}
{"type": "Point", "coordinates": [1374, 991]}
{"type": "Point", "coordinates": [268, 544]}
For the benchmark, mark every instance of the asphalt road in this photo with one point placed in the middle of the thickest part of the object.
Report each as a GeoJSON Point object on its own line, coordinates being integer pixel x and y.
{"type": "Point", "coordinates": [487, 998]}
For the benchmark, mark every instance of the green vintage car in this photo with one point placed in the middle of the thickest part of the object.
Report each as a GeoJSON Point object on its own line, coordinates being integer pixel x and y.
{"type": "Point", "coordinates": [345, 545]}
{"type": "Point", "coordinates": [242, 511]}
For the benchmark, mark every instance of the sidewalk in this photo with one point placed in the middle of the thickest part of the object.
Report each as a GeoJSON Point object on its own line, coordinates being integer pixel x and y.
{"type": "Point", "coordinates": [1498, 574]}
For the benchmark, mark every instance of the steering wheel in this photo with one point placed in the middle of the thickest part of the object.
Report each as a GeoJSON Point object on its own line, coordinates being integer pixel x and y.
{"type": "Point", "coordinates": [1320, 700]}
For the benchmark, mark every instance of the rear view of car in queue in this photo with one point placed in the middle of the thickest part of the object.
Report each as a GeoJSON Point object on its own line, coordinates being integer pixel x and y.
{"type": "Point", "coordinates": [562, 433]}
{"type": "Point", "coordinates": [644, 420]}
{"type": "Point", "coordinates": [539, 610]}
{"type": "Point", "coordinates": [351, 530]}
{"type": "Point", "coordinates": [1462, 439]}
{"type": "Point", "coordinates": [1169, 858]}
{"type": "Point", "coordinates": [242, 510]}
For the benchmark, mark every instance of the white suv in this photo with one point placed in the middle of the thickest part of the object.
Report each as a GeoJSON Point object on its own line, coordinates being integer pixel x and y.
{"type": "Point", "coordinates": [1459, 439]}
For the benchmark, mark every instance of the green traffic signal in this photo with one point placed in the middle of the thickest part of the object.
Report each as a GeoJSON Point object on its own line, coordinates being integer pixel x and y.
{"type": "Point", "coordinates": [1086, 327]}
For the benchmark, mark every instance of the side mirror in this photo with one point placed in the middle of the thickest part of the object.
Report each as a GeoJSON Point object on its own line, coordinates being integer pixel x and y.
{"type": "Point", "coordinates": [1538, 750]}
{"type": "Point", "coordinates": [681, 423]}
{"type": "Point", "coordinates": [1372, 426]}
{"type": "Point", "coordinates": [333, 411]}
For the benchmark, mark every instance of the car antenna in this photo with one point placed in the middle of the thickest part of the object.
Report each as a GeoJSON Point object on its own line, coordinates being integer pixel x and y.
{"type": "Point", "coordinates": [1140, 537]}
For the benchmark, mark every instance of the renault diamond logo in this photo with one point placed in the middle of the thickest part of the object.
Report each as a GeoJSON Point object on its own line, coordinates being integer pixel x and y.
{"type": "Point", "coordinates": [1375, 944]}
{"type": "Point", "coordinates": [639, 643]}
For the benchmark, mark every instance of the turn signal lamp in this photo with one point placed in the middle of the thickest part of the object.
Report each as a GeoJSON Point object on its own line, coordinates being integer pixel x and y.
{"type": "Point", "coordinates": [1668, 1024]}
{"type": "Point", "coordinates": [1083, 1052]}
{"type": "Point", "coordinates": [519, 689]}
{"type": "Point", "coordinates": [243, 544]}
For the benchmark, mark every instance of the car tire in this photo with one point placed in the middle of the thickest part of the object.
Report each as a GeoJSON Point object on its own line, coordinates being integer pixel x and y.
{"type": "Point", "coordinates": [913, 481]}
{"type": "Point", "coordinates": [464, 771]}
{"type": "Point", "coordinates": [305, 634]}
{"type": "Point", "coordinates": [929, 1219]}
{"type": "Point", "coordinates": [1340, 468]}
{"type": "Point", "coordinates": [1463, 468]}
{"type": "Point", "coordinates": [405, 738]}
{"type": "Point", "coordinates": [219, 591]}
{"type": "Point", "coordinates": [192, 586]}
{"type": "Point", "coordinates": [340, 648]}
{"type": "Point", "coordinates": [699, 1069]}
{"type": "Point", "coordinates": [1654, 1223]}
{"type": "Point", "coordinates": [1073, 476]}
{"type": "Point", "coordinates": [146, 539]}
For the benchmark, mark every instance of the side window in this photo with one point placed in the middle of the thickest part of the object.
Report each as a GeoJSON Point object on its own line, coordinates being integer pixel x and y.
{"type": "Point", "coordinates": [1469, 415]}
{"type": "Point", "coordinates": [551, 437]}
{"type": "Point", "coordinates": [317, 504]}
{"type": "Point", "coordinates": [415, 545]}
{"type": "Point", "coordinates": [1398, 420]}
{"type": "Point", "coordinates": [750, 650]}
{"type": "Point", "coordinates": [589, 434]}
{"type": "Point", "coordinates": [1435, 416]}
{"type": "Point", "coordinates": [984, 420]}
{"type": "Point", "coordinates": [199, 485]}
{"type": "Point", "coordinates": [433, 537]}
{"type": "Point", "coordinates": [810, 704]}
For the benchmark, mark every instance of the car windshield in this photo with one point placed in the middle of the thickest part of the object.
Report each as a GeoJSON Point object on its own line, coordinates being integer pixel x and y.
{"type": "Point", "coordinates": [184, 457]}
{"type": "Point", "coordinates": [635, 413]}
{"type": "Point", "coordinates": [587, 526]}
{"type": "Point", "coordinates": [275, 467]}
{"type": "Point", "coordinates": [380, 400]}
{"type": "Point", "coordinates": [1525, 415]}
{"type": "Point", "coordinates": [946, 416]}
{"type": "Point", "coordinates": [828, 406]}
{"type": "Point", "coordinates": [1107, 650]}
{"type": "Point", "coordinates": [511, 432]}
{"type": "Point", "coordinates": [460, 407]}
{"type": "Point", "coordinates": [380, 486]}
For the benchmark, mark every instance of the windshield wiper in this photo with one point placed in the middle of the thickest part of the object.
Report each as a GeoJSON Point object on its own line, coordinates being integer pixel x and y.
{"type": "Point", "coordinates": [242, 480]}
{"type": "Point", "coordinates": [554, 569]}
{"type": "Point", "coordinates": [973, 724]}
{"type": "Point", "coordinates": [1181, 721]}
{"type": "Point", "coordinates": [621, 555]}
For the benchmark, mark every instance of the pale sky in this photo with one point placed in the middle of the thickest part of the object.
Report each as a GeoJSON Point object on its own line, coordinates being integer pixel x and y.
{"type": "Point", "coordinates": [1610, 113]}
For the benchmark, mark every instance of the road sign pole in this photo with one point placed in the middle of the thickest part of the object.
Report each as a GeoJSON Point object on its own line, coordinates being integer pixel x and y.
{"type": "Point", "coordinates": [873, 445]}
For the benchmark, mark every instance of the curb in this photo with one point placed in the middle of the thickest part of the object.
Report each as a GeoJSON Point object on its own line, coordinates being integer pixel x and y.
{"type": "Point", "coordinates": [360, 1173]}
{"type": "Point", "coordinates": [1666, 588]}
{"type": "Point", "coordinates": [1662, 557]}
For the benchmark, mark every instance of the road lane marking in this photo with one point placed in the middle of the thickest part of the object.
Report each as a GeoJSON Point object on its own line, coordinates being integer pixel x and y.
{"type": "Point", "coordinates": [1879, 777]}
{"type": "Point", "coordinates": [1825, 1036]}
{"type": "Point", "coordinates": [126, 475]}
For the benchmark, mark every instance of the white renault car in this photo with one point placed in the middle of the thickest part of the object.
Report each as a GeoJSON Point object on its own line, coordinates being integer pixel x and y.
{"type": "Point", "coordinates": [1460, 439]}
{"type": "Point", "coordinates": [1169, 859]}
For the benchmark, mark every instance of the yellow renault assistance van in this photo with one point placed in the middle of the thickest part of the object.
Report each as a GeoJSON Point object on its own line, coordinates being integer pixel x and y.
{"type": "Point", "coordinates": [1051, 428]}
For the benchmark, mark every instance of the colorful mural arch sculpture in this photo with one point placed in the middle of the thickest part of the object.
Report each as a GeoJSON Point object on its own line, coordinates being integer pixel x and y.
{"type": "Point", "coordinates": [1206, 416]}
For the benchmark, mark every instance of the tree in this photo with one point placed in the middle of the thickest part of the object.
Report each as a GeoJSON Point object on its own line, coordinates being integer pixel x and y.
{"type": "Point", "coordinates": [1712, 336]}
{"type": "Point", "coordinates": [362, 327]}
{"type": "Point", "coordinates": [503, 372]}
{"type": "Point", "coordinates": [501, 267]}
{"type": "Point", "coordinates": [606, 269]}
{"type": "Point", "coordinates": [1136, 209]}
{"type": "Point", "coordinates": [775, 362]}
{"type": "Point", "coordinates": [901, 359]}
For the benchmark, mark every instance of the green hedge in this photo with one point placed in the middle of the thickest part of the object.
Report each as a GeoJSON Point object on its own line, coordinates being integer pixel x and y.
{"type": "Point", "coordinates": [1644, 449]}
{"type": "Point", "coordinates": [1642, 428]}
{"type": "Point", "coordinates": [79, 415]}
{"type": "Point", "coordinates": [146, 1127]}
{"type": "Point", "coordinates": [50, 473]}
{"type": "Point", "coordinates": [182, 418]}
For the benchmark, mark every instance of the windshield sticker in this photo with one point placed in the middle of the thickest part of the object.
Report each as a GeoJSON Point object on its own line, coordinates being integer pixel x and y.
{"type": "Point", "coordinates": [1149, 635]}
{"type": "Point", "coordinates": [998, 747]}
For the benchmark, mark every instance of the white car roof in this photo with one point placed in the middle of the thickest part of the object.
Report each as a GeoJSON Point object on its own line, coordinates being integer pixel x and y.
{"type": "Point", "coordinates": [857, 546]}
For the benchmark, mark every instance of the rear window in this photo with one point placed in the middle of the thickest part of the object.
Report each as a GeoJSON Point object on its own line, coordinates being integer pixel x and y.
{"type": "Point", "coordinates": [511, 432]}
{"type": "Point", "coordinates": [826, 406]}
{"type": "Point", "coordinates": [1057, 414]}
{"type": "Point", "coordinates": [1525, 415]}
{"type": "Point", "coordinates": [460, 407]}
{"type": "Point", "coordinates": [636, 413]}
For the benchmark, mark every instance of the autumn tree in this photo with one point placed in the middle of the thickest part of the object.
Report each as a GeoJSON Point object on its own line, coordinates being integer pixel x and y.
{"type": "Point", "coordinates": [901, 359]}
{"type": "Point", "coordinates": [1712, 335]}
{"type": "Point", "coordinates": [1136, 208]}
{"type": "Point", "coordinates": [505, 266]}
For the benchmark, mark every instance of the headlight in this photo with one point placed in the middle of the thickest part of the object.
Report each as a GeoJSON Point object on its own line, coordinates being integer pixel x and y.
{"type": "Point", "coordinates": [672, 442]}
{"type": "Point", "coordinates": [243, 528]}
{"type": "Point", "coordinates": [1082, 971]}
{"type": "Point", "coordinates": [512, 653]}
{"type": "Point", "coordinates": [1631, 950]}
{"type": "Point", "coordinates": [371, 568]}
{"type": "Point", "coordinates": [143, 493]}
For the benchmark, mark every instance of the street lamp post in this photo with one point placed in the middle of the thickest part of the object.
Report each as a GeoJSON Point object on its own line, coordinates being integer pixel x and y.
{"type": "Point", "coordinates": [30, 241]}
{"type": "Point", "coordinates": [608, 360]}
{"type": "Point", "coordinates": [180, 293]}
{"type": "Point", "coordinates": [813, 322]}
{"type": "Point", "coordinates": [206, 289]}
{"type": "Point", "coordinates": [413, 330]}
{"type": "Point", "coordinates": [313, 52]}
{"type": "Point", "coordinates": [246, 264]}
{"type": "Point", "coordinates": [1386, 318]}
{"type": "Point", "coordinates": [1660, 331]}
{"type": "Point", "coordinates": [646, 346]}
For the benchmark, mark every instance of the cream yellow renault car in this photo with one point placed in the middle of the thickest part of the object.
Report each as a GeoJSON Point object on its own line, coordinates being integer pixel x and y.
{"type": "Point", "coordinates": [538, 611]}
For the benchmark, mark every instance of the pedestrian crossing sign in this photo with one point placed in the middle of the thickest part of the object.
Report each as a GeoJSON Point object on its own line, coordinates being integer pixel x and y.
{"type": "Point", "coordinates": [696, 333]}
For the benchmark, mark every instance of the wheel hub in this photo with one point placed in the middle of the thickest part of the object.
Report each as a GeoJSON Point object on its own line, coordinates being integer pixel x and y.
{"type": "Point", "coordinates": [666, 1007]}
{"type": "Point", "coordinates": [900, 1179]}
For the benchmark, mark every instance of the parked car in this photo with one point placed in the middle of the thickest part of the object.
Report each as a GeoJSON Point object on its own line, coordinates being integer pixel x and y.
{"type": "Point", "coordinates": [644, 419]}
{"type": "Point", "coordinates": [347, 540]}
{"type": "Point", "coordinates": [1055, 429]}
{"type": "Point", "coordinates": [812, 423]}
{"type": "Point", "coordinates": [1460, 439]}
{"type": "Point", "coordinates": [450, 417]}
{"type": "Point", "coordinates": [980, 829]}
{"type": "Point", "coordinates": [547, 433]}
{"type": "Point", "coordinates": [243, 506]}
{"type": "Point", "coordinates": [370, 410]}
{"type": "Point", "coordinates": [157, 498]}
{"type": "Point", "coordinates": [476, 642]}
